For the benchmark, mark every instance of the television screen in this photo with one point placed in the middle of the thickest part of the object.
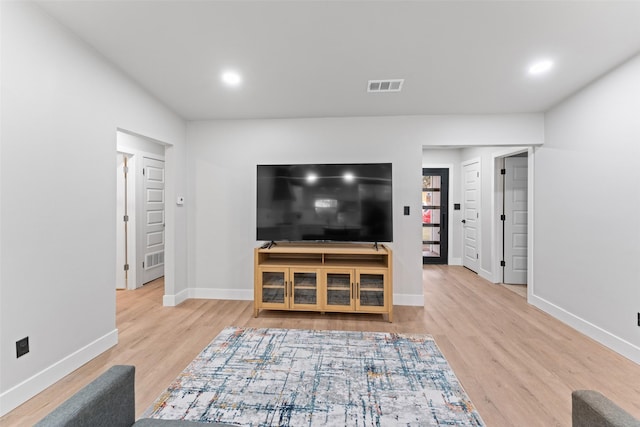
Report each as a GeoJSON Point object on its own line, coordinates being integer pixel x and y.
{"type": "Point", "coordinates": [324, 202]}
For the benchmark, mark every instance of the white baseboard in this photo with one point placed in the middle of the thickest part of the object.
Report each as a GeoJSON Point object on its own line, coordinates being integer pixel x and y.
{"type": "Point", "coordinates": [406, 299]}
{"type": "Point", "coordinates": [232, 294]}
{"type": "Point", "coordinates": [617, 344]}
{"type": "Point", "coordinates": [455, 261]}
{"type": "Point", "coordinates": [24, 391]}
{"type": "Point", "coordinates": [487, 275]}
{"type": "Point", "coordinates": [173, 300]}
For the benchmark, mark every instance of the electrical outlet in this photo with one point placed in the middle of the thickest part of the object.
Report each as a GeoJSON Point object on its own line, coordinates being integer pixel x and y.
{"type": "Point", "coordinates": [22, 347]}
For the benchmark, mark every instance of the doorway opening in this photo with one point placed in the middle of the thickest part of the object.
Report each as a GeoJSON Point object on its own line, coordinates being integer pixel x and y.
{"type": "Point", "coordinates": [435, 218]}
{"type": "Point", "coordinates": [140, 208]}
{"type": "Point", "coordinates": [513, 202]}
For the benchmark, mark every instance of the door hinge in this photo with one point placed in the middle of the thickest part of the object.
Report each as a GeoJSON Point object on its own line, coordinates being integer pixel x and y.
{"type": "Point", "coordinates": [143, 171]}
{"type": "Point", "coordinates": [478, 173]}
{"type": "Point", "coordinates": [503, 171]}
{"type": "Point", "coordinates": [477, 256]}
{"type": "Point", "coordinates": [142, 264]}
{"type": "Point", "coordinates": [125, 218]}
{"type": "Point", "coordinates": [125, 169]}
{"type": "Point", "coordinates": [126, 267]}
{"type": "Point", "coordinates": [503, 217]}
{"type": "Point", "coordinates": [503, 264]}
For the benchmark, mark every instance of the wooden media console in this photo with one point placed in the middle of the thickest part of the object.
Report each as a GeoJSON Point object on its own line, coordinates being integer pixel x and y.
{"type": "Point", "coordinates": [325, 277]}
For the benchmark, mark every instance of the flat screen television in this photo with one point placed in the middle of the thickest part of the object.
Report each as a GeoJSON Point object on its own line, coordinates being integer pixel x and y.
{"type": "Point", "coordinates": [325, 202]}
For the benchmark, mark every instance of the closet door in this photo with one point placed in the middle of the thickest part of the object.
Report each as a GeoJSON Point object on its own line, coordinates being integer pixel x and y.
{"type": "Point", "coordinates": [153, 220]}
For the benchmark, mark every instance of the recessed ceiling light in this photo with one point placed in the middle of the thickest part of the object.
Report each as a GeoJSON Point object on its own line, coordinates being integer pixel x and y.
{"type": "Point", "coordinates": [540, 67]}
{"type": "Point", "coordinates": [231, 78]}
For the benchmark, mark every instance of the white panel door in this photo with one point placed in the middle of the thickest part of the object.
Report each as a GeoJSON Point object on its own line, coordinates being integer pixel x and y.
{"type": "Point", "coordinates": [515, 224]}
{"type": "Point", "coordinates": [153, 220]}
{"type": "Point", "coordinates": [471, 216]}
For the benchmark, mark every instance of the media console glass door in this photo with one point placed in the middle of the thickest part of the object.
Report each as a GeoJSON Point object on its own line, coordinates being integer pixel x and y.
{"type": "Point", "coordinates": [371, 291]}
{"type": "Point", "coordinates": [340, 285]}
{"type": "Point", "coordinates": [304, 288]}
{"type": "Point", "coordinates": [273, 286]}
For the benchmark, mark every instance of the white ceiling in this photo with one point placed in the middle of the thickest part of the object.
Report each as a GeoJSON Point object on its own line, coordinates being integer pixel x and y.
{"type": "Point", "coordinates": [313, 58]}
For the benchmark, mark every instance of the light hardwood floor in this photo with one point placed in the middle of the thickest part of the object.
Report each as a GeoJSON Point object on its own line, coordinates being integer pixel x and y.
{"type": "Point", "coordinates": [517, 364]}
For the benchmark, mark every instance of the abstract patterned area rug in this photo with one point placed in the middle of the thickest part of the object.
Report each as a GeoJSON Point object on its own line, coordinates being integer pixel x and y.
{"type": "Point", "coordinates": [287, 377]}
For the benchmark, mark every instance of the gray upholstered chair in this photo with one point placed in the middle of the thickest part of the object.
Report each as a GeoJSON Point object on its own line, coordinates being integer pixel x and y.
{"type": "Point", "coordinates": [108, 401]}
{"type": "Point", "coordinates": [590, 408]}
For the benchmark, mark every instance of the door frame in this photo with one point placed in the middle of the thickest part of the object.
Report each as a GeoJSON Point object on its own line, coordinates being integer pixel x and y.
{"type": "Point", "coordinates": [135, 185]}
{"type": "Point", "coordinates": [125, 242]}
{"type": "Point", "coordinates": [449, 207]}
{"type": "Point", "coordinates": [452, 169]}
{"type": "Point", "coordinates": [497, 195]}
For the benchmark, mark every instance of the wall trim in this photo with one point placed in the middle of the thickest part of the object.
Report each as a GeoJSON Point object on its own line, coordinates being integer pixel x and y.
{"type": "Point", "coordinates": [408, 299]}
{"type": "Point", "coordinates": [229, 294]}
{"type": "Point", "coordinates": [615, 343]}
{"type": "Point", "coordinates": [487, 275]}
{"type": "Point", "coordinates": [455, 261]}
{"type": "Point", "coordinates": [173, 300]}
{"type": "Point", "coordinates": [24, 391]}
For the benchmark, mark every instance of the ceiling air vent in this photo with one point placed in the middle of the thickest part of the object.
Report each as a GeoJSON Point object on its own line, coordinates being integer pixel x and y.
{"type": "Point", "coordinates": [394, 85]}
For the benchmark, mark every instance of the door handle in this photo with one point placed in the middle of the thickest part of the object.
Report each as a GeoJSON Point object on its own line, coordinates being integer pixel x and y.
{"type": "Point", "coordinates": [464, 221]}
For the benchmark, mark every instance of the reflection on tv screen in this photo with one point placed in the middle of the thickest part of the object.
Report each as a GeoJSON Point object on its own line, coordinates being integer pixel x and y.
{"type": "Point", "coordinates": [339, 202]}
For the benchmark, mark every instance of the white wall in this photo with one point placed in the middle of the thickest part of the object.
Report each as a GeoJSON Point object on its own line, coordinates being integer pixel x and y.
{"type": "Point", "coordinates": [587, 201]}
{"type": "Point", "coordinates": [222, 162]}
{"type": "Point", "coordinates": [61, 107]}
{"type": "Point", "coordinates": [222, 159]}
